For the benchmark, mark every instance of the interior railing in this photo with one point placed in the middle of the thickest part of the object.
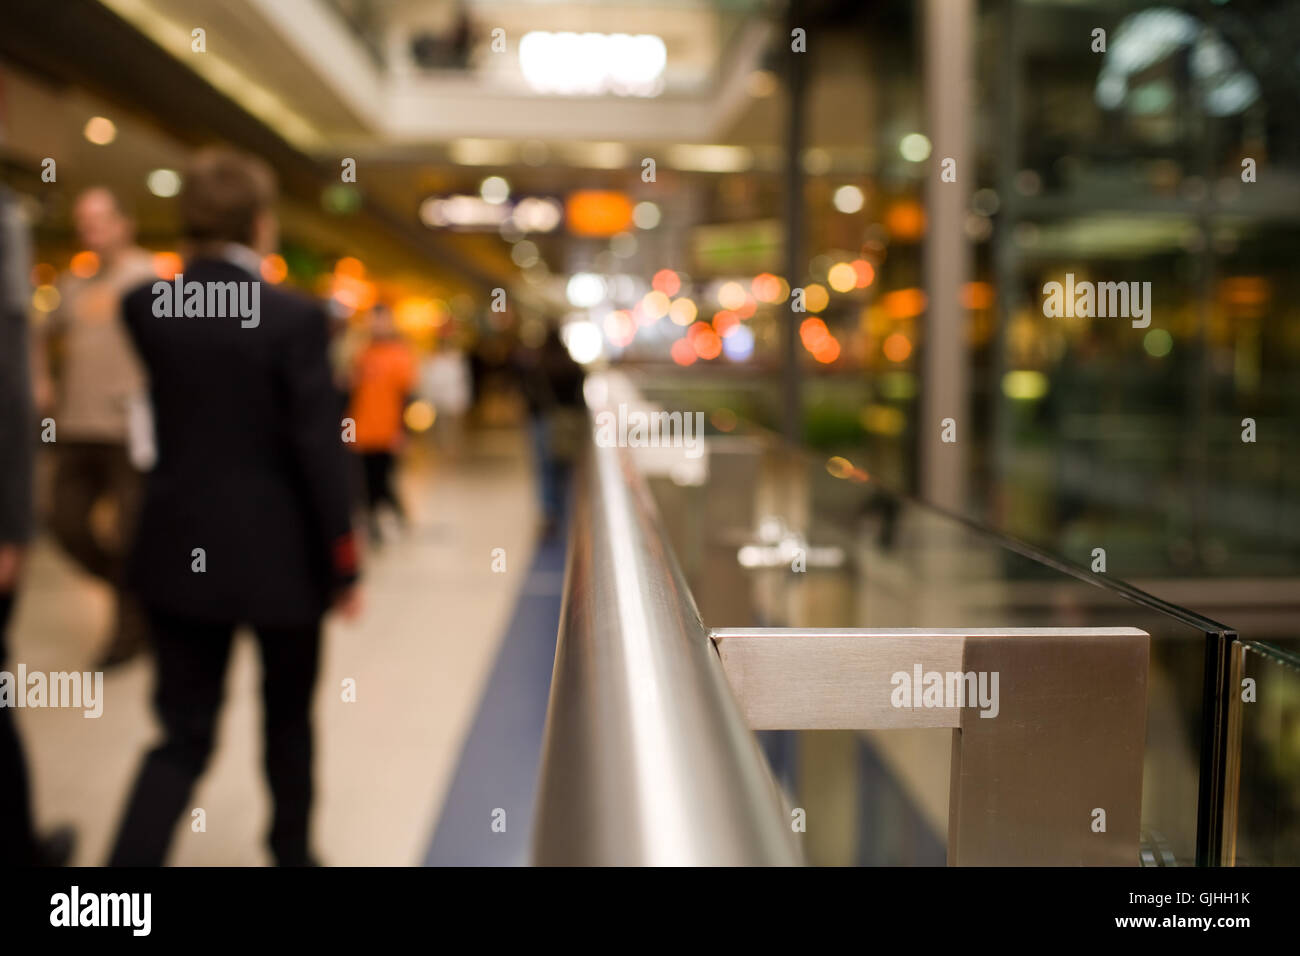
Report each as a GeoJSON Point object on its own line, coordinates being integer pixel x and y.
{"type": "Point", "coordinates": [646, 758]}
{"type": "Point", "coordinates": [735, 594]}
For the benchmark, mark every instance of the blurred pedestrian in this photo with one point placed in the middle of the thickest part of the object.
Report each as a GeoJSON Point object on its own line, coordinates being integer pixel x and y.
{"type": "Point", "coordinates": [246, 515]}
{"type": "Point", "coordinates": [100, 388]}
{"type": "Point", "coordinates": [383, 378]}
{"type": "Point", "coordinates": [552, 385]}
{"type": "Point", "coordinates": [18, 841]}
{"type": "Point", "coordinates": [445, 384]}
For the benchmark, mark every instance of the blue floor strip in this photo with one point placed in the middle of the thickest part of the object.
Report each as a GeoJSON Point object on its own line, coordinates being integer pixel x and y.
{"type": "Point", "coordinates": [498, 765]}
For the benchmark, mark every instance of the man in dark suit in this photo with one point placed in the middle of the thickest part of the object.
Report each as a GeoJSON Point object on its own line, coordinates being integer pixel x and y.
{"type": "Point", "coordinates": [19, 842]}
{"type": "Point", "coordinates": [246, 513]}
{"type": "Point", "coordinates": [17, 430]}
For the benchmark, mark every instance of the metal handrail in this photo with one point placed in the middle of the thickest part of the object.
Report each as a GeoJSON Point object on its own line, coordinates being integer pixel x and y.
{"type": "Point", "coordinates": [646, 758]}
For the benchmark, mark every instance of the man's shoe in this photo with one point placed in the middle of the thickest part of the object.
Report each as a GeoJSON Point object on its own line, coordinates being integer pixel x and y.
{"type": "Point", "coordinates": [55, 848]}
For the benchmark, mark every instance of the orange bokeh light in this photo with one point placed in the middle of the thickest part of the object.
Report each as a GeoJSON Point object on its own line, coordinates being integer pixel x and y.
{"type": "Point", "coordinates": [350, 267]}
{"type": "Point", "coordinates": [598, 213]}
{"type": "Point", "coordinates": [866, 272]}
{"type": "Point", "coordinates": [706, 342]}
{"type": "Point", "coordinates": [167, 264]}
{"type": "Point", "coordinates": [84, 264]}
{"type": "Point", "coordinates": [356, 294]}
{"type": "Point", "coordinates": [904, 304]}
{"type": "Point", "coordinates": [812, 332]}
{"type": "Point", "coordinates": [827, 351]}
{"type": "Point", "coordinates": [274, 269]}
{"type": "Point", "coordinates": [725, 322]}
{"type": "Point", "coordinates": [977, 295]}
{"type": "Point", "coordinates": [682, 352]}
{"type": "Point", "coordinates": [766, 287]}
{"type": "Point", "coordinates": [905, 220]}
{"type": "Point", "coordinates": [897, 347]}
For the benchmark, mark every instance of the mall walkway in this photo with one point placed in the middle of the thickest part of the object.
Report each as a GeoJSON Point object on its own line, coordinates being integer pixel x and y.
{"type": "Point", "coordinates": [421, 656]}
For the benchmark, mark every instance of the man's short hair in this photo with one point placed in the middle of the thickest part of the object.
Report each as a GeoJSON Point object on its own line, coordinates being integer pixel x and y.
{"type": "Point", "coordinates": [222, 194]}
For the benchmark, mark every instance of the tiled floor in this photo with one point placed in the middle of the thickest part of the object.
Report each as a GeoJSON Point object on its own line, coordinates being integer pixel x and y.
{"type": "Point", "coordinates": [420, 656]}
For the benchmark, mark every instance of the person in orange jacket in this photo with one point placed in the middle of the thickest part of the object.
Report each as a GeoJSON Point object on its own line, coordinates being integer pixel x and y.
{"type": "Point", "coordinates": [383, 377]}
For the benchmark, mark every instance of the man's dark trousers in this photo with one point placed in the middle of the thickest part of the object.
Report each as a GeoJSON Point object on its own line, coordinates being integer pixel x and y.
{"type": "Point", "coordinates": [192, 656]}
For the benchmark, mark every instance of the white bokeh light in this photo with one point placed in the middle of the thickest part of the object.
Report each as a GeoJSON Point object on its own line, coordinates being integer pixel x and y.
{"type": "Point", "coordinates": [585, 290]}
{"type": "Point", "coordinates": [848, 199]}
{"type": "Point", "coordinates": [584, 341]}
{"type": "Point", "coordinates": [591, 64]}
{"type": "Point", "coordinates": [646, 215]}
{"type": "Point", "coordinates": [914, 147]}
{"type": "Point", "coordinates": [164, 183]}
{"type": "Point", "coordinates": [495, 190]}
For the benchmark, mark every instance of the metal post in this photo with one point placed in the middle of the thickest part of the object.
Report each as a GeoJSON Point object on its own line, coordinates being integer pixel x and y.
{"type": "Point", "coordinates": [795, 77]}
{"type": "Point", "coordinates": [948, 54]}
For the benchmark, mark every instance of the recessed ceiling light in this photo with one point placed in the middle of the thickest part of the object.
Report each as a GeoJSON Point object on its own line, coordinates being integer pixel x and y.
{"type": "Point", "coordinates": [495, 190]}
{"type": "Point", "coordinates": [100, 130]}
{"type": "Point", "coordinates": [164, 183]}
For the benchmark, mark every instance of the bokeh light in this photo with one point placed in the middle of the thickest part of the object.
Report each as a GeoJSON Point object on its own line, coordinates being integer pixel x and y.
{"type": "Point", "coordinates": [682, 352]}
{"type": "Point", "coordinates": [46, 298]}
{"type": "Point", "coordinates": [842, 277]}
{"type": "Point", "coordinates": [731, 295]}
{"type": "Point", "coordinates": [164, 183]}
{"type": "Point", "coordinates": [494, 190]}
{"type": "Point", "coordinates": [683, 311]}
{"type": "Point", "coordinates": [100, 130]}
{"type": "Point", "coordinates": [864, 272]}
{"type": "Point", "coordinates": [848, 199]}
{"type": "Point", "coordinates": [767, 288]}
{"type": "Point", "coordinates": [274, 269]}
{"type": "Point", "coordinates": [739, 344]}
{"type": "Point", "coordinates": [914, 147]}
{"type": "Point", "coordinates": [666, 281]}
{"type": "Point", "coordinates": [419, 416]}
{"type": "Point", "coordinates": [167, 264]}
{"type": "Point", "coordinates": [904, 303]}
{"type": "Point", "coordinates": [583, 340]}
{"type": "Point", "coordinates": [646, 215]}
{"type": "Point", "coordinates": [1158, 343]}
{"type": "Point", "coordinates": [620, 328]}
{"type": "Point", "coordinates": [811, 332]}
{"type": "Point", "coordinates": [655, 305]}
{"type": "Point", "coordinates": [897, 347]}
{"type": "Point", "coordinates": [815, 297]}
{"type": "Point", "coordinates": [84, 264]}
{"type": "Point", "coordinates": [725, 322]}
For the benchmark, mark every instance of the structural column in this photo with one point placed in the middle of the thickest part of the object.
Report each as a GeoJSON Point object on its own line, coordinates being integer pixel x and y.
{"type": "Point", "coordinates": [945, 373]}
{"type": "Point", "coordinates": [795, 85]}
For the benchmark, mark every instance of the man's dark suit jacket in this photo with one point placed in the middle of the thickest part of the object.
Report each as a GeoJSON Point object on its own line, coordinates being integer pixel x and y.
{"type": "Point", "coordinates": [251, 466]}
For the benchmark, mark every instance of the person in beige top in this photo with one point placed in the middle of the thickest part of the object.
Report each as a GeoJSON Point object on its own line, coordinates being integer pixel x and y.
{"type": "Point", "coordinates": [96, 399]}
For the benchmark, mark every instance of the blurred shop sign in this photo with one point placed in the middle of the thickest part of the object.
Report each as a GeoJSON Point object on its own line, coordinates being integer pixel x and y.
{"type": "Point", "coordinates": [742, 247]}
{"type": "Point", "coordinates": [531, 214]}
{"type": "Point", "coordinates": [598, 213]}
